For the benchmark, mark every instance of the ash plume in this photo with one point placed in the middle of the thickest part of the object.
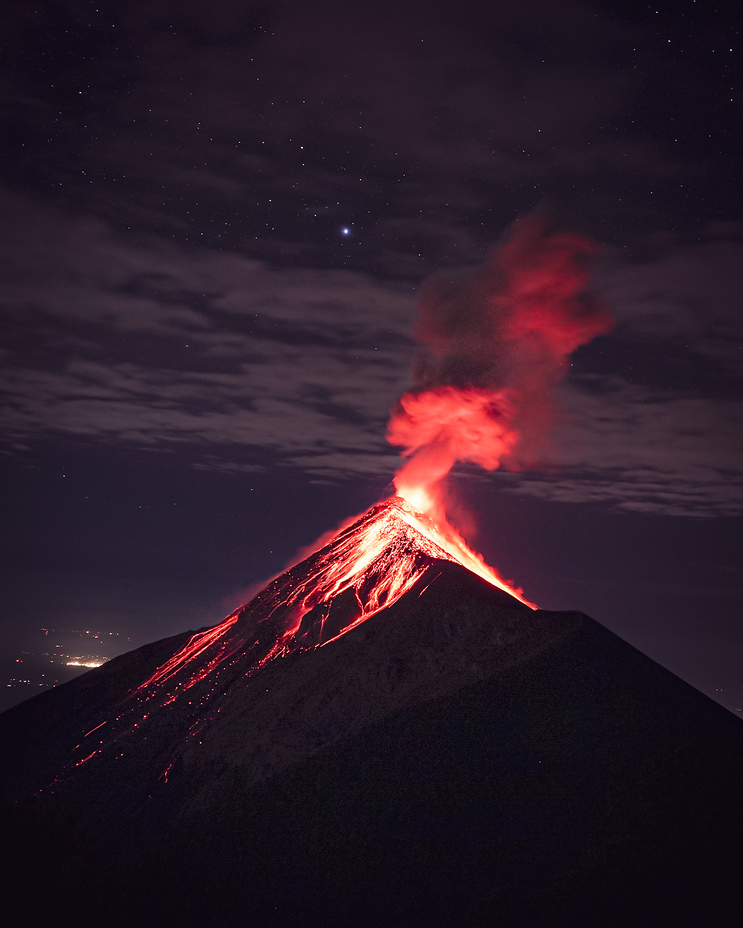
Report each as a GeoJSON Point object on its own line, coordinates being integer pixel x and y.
{"type": "Point", "coordinates": [493, 345]}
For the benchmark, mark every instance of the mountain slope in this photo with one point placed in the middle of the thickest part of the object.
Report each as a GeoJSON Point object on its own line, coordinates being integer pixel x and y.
{"type": "Point", "coordinates": [456, 758]}
{"type": "Point", "coordinates": [455, 629]}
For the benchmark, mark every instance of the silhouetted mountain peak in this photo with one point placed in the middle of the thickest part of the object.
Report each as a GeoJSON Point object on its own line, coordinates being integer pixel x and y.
{"type": "Point", "coordinates": [379, 735]}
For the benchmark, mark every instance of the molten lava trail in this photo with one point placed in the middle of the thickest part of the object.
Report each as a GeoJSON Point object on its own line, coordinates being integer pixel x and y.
{"type": "Point", "coordinates": [377, 560]}
{"type": "Point", "coordinates": [368, 566]}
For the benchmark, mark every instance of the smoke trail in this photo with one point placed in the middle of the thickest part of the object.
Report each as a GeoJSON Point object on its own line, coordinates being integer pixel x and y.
{"type": "Point", "coordinates": [493, 344]}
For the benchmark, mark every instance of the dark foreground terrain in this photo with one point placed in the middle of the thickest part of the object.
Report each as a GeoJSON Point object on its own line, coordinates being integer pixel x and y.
{"type": "Point", "coordinates": [458, 760]}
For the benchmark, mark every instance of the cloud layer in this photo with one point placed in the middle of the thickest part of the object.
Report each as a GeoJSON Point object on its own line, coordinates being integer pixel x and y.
{"type": "Point", "coordinates": [150, 345]}
{"type": "Point", "coordinates": [178, 174]}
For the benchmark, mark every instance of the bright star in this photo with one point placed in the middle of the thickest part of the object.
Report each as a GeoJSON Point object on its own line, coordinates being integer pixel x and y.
{"type": "Point", "coordinates": [345, 230]}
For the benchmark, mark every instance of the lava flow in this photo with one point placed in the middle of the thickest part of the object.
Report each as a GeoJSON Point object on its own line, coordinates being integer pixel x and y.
{"type": "Point", "coordinates": [388, 552]}
{"type": "Point", "coordinates": [367, 567]}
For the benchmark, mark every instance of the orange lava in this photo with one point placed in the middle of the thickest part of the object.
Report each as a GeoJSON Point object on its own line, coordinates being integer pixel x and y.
{"type": "Point", "coordinates": [369, 565]}
{"type": "Point", "coordinates": [197, 644]}
{"type": "Point", "coordinates": [449, 540]}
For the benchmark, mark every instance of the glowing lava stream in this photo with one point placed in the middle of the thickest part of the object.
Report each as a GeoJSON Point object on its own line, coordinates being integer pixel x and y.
{"type": "Point", "coordinates": [455, 546]}
{"type": "Point", "coordinates": [377, 559]}
{"type": "Point", "coordinates": [367, 566]}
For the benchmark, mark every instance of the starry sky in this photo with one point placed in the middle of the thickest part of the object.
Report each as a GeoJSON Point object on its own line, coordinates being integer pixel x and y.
{"type": "Point", "coordinates": [216, 219]}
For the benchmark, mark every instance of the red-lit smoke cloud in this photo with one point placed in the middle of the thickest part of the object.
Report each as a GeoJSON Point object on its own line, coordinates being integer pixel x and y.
{"type": "Point", "coordinates": [493, 344]}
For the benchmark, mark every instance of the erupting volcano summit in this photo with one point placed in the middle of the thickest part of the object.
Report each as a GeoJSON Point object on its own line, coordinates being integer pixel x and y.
{"type": "Point", "coordinates": [390, 552]}
{"type": "Point", "coordinates": [389, 733]}
{"type": "Point", "coordinates": [366, 567]}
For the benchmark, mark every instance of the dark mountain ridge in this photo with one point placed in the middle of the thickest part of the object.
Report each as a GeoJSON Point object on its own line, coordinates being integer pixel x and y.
{"type": "Point", "coordinates": [455, 756]}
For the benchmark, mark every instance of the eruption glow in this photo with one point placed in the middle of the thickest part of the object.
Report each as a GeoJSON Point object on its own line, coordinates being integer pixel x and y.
{"type": "Point", "coordinates": [367, 567]}
{"type": "Point", "coordinates": [493, 346]}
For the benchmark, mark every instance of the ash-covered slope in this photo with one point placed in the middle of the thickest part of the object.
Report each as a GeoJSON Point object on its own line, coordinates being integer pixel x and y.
{"type": "Point", "coordinates": [457, 759]}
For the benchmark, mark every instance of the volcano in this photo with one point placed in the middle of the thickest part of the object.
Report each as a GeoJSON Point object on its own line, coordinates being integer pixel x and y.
{"type": "Point", "coordinates": [386, 733]}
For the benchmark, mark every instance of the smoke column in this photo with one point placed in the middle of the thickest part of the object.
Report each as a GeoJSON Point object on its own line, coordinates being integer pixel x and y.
{"type": "Point", "coordinates": [493, 345]}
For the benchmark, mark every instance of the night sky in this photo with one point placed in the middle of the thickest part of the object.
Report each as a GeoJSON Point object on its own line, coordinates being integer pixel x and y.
{"type": "Point", "coordinates": [216, 219]}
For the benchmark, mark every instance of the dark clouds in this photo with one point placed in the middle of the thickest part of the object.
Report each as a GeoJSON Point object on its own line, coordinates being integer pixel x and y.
{"type": "Point", "coordinates": [149, 344]}
{"type": "Point", "coordinates": [264, 128]}
{"type": "Point", "coordinates": [155, 347]}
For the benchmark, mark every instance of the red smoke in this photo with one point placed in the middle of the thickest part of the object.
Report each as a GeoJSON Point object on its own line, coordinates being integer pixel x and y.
{"type": "Point", "coordinates": [493, 345]}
